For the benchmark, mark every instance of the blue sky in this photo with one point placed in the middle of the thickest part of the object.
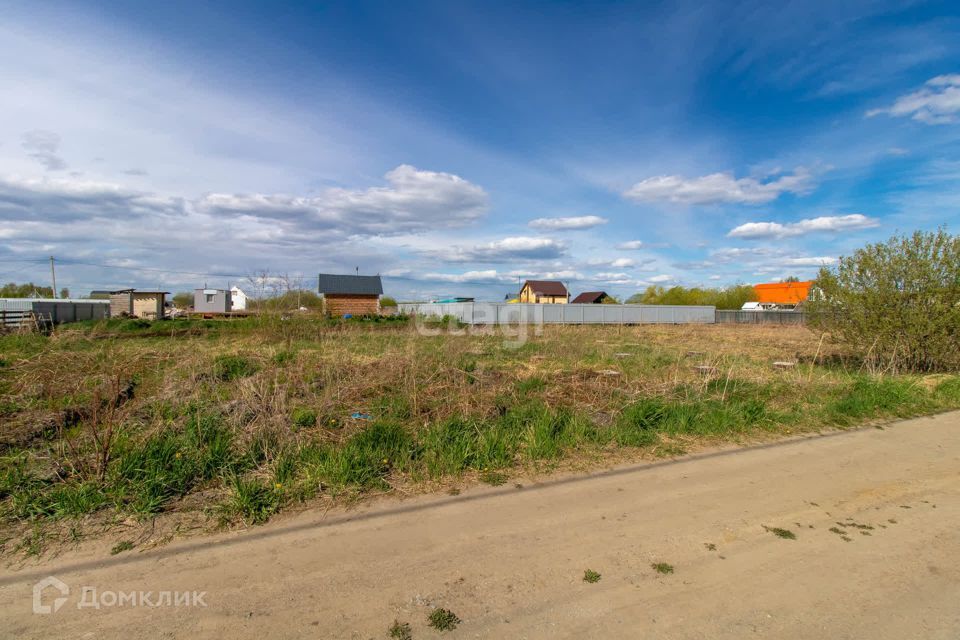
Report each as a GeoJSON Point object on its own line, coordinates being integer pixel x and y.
{"type": "Point", "coordinates": [457, 147]}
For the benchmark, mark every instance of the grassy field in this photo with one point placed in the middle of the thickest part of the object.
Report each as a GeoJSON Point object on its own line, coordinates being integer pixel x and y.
{"type": "Point", "coordinates": [199, 424]}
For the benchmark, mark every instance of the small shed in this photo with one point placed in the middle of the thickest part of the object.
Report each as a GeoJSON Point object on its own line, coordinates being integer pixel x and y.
{"type": "Point", "coordinates": [544, 292]}
{"type": "Point", "coordinates": [138, 304]}
{"type": "Point", "coordinates": [212, 301]}
{"type": "Point", "coordinates": [350, 295]}
{"type": "Point", "coordinates": [238, 299]}
{"type": "Point", "coordinates": [591, 297]}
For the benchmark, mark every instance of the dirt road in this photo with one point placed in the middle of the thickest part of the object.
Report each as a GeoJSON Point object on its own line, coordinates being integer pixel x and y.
{"type": "Point", "coordinates": [510, 561]}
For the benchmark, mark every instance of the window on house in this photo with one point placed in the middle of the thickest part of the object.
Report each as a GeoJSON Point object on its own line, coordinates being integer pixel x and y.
{"type": "Point", "coordinates": [210, 297]}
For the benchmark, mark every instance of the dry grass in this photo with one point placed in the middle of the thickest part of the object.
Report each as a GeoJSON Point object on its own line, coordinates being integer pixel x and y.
{"type": "Point", "coordinates": [281, 404]}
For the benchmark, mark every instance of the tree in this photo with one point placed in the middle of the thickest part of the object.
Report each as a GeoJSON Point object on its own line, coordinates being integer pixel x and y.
{"type": "Point", "coordinates": [608, 299]}
{"type": "Point", "coordinates": [731, 297]}
{"type": "Point", "coordinates": [387, 301]}
{"type": "Point", "coordinates": [183, 300]}
{"type": "Point", "coordinates": [895, 303]}
{"type": "Point", "coordinates": [64, 292]}
{"type": "Point", "coordinates": [28, 290]}
{"type": "Point", "coordinates": [791, 279]}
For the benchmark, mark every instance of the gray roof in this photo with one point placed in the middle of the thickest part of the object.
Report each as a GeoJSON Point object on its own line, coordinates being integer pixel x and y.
{"type": "Point", "coordinates": [356, 285]}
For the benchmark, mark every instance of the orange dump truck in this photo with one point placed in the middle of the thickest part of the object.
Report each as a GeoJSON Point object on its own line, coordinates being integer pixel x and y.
{"type": "Point", "coordinates": [791, 293]}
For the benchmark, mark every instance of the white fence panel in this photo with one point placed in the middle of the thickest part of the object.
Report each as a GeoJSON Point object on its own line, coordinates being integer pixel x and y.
{"type": "Point", "coordinates": [503, 313]}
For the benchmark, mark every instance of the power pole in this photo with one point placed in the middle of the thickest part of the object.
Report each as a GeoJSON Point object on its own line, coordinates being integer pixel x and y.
{"type": "Point", "coordinates": [53, 277]}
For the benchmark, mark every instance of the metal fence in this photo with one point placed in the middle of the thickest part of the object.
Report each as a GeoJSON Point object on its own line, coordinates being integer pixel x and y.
{"type": "Point", "coordinates": [761, 317]}
{"type": "Point", "coordinates": [490, 313]}
{"type": "Point", "coordinates": [16, 312]}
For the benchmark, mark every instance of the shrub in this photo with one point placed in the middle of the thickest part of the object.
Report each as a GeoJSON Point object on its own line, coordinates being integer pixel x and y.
{"type": "Point", "coordinates": [897, 303]}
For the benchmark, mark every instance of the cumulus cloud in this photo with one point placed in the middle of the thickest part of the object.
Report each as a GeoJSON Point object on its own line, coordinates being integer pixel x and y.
{"type": "Point", "coordinates": [612, 278]}
{"type": "Point", "coordinates": [937, 102]}
{"type": "Point", "coordinates": [631, 245]}
{"type": "Point", "coordinates": [763, 230]}
{"type": "Point", "coordinates": [660, 278]}
{"type": "Point", "coordinates": [57, 200]}
{"type": "Point", "coordinates": [486, 276]}
{"type": "Point", "coordinates": [719, 188]}
{"type": "Point", "coordinates": [568, 224]}
{"type": "Point", "coordinates": [414, 200]}
{"type": "Point", "coordinates": [42, 146]}
{"type": "Point", "coordinates": [616, 263]}
{"type": "Point", "coordinates": [515, 248]}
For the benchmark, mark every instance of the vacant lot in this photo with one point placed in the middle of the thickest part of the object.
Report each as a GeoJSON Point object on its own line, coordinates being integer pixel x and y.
{"type": "Point", "coordinates": [149, 431]}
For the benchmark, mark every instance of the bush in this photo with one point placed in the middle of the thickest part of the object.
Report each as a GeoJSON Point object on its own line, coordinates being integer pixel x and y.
{"type": "Point", "coordinates": [897, 303]}
{"type": "Point", "coordinates": [731, 297]}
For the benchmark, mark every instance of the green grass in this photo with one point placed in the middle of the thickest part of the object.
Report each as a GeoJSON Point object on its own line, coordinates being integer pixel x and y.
{"type": "Point", "coordinates": [233, 367]}
{"type": "Point", "coordinates": [591, 576]}
{"type": "Point", "coordinates": [786, 534]}
{"type": "Point", "coordinates": [880, 397]}
{"type": "Point", "coordinates": [120, 547]}
{"type": "Point", "coordinates": [252, 500]}
{"type": "Point", "coordinates": [443, 619]}
{"type": "Point", "coordinates": [662, 567]}
{"type": "Point", "coordinates": [303, 417]}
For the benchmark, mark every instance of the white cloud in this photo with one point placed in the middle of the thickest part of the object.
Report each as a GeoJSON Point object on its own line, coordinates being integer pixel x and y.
{"type": "Point", "coordinates": [660, 278]}
{"type": "Point", "coordinates": [611, 278]}
{"type": "Point", "coordinates": [720, 188]}
{"type": "Point", "coordinates": [514, 248]}
{"type": "Point", "coordinates": [617, 263]}
{"type": "Point", "coordinates": [486, 276]}
{"type": "Point", "coordinates": [938, 102]}
{"type": "Point", "coordinates": [414, 200]}
{"type": "Point", "coordinates": [812, 261]}
{"type": "Point", "coordinates": [568, 224]}
{"type": "Point", "coordinates": [631, 245]}
{"type": "Point", "coordinates": [755, 230]}
{"type": "Point", "coordinates": [60, 199]}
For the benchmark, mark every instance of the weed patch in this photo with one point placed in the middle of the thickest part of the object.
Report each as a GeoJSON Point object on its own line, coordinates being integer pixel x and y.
{"type": "Point", "coordinates": [400, 631]}
{"type": "Point", "coordinates": [786, 534]}
{"type": "Point", "coordinates": [444, 620]}
{"type": "Point", "coordinates": [120, 547]}
{"type": "Point", "coordinates": [591, 576]}
{"type": "Point", "coordinates": [232, 367]}
{"type": "Point", "coordinates": [662, 568]}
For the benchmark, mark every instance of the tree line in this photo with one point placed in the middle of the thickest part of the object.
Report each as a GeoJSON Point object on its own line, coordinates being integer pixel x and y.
{"type": "Point", "coordinates": [30, 290]}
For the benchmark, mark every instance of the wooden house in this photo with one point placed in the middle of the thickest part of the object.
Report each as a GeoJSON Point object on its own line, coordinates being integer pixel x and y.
{"type": "Point", "coordinates": [350, 295]}
{"type": "Point", "coordinates": [544, 292]}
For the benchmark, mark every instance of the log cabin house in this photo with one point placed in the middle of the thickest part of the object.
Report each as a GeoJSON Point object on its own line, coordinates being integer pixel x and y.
{"type": "Point", "coordinates": [350, 295]}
